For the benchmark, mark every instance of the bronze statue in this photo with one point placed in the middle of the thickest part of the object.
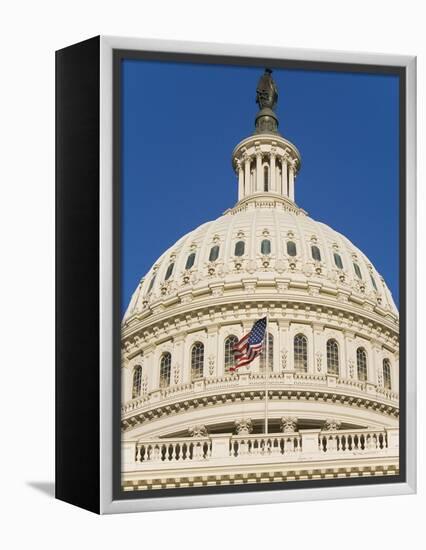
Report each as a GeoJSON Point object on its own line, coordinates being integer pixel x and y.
{"type": "Point", "coordinates": [267, 92]}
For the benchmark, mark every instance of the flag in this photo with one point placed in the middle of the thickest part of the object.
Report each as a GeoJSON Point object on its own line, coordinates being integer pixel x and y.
{"type": "Point", "coordinates": [250, 345]}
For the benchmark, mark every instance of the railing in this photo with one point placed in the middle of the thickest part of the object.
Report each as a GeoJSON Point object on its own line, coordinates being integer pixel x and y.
{"type": "Point", "coordinates": [282, 380]}
{"type": "Point", "coordinates": [265, 445]}
{"type": "Point", "coordinates": [177, 450]}
{"type": "Point", "coordinates": [309, 445]}
{"type": "Point", "coordinates": [355, 441]}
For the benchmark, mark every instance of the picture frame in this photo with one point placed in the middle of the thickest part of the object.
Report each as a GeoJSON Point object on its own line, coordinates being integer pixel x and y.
{"type": "Point", "coordinates": [89, 206]}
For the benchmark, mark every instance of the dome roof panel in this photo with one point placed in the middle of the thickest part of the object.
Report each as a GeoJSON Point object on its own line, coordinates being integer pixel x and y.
{"type": "Point", "coordinates": [213, 244]}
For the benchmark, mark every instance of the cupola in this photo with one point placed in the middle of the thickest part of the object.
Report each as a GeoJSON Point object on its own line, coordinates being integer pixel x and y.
{"type": "Point", "coordinates": [266, 163]}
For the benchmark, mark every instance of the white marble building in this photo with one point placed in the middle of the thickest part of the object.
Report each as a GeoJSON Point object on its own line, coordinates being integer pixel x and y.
{"type": "Point", "coordinates": [332, 373]}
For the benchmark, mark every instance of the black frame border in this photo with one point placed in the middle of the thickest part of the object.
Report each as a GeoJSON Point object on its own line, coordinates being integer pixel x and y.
{"type": "Point", "coordinates": [120, 55]}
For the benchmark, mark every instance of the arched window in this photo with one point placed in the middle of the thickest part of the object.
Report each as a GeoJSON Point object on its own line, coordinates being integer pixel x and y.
{"type": "Point", "coordinates": [229, 352]}
{"type": "Point", "coordinates": [291, 248]}
{"type": "Point", "coordinates": [214, 253]}
{"type": "Point", "coordinates": [373, 282]}
{"type": "Point", "coordinates": [265, 247]}
{"type": "Point", "coordinates": [332, 357]}
{"type": "Point", "coordinates": [265, 178]}
{"type": "Point", "coordinates": [190, 260]}
{"type": "Point", "coordinates": [338, 260]}
{"type": "Point", "coordinates": [165, 369]}
{"type": "Point", "coordinates": [300, 353]}
{"type": "Point", "coordinates": [137, 381]}
{"type": "Point", "coordinates": [387, 381]}
{"type": "Point", "coordinates": [197, 360]}
{"type": "Point", "coordinates": [361, 363]}
{"type": "Point", "coordinates": [316, 254]}
{"type": "Point", "coordinates": [151, 284]}
{"type": "Point", "coordinates": [357, 271]}
{"type": "Point", "coordinates": [270, 351]}
{"type": "Point", "coordinates": [239, 248]}
{"type": "Point", "coordinates": [169, 271]}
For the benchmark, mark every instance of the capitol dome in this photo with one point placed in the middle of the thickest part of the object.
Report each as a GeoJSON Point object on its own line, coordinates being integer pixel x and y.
{"type": "Point", "coordinates": [328, 375]}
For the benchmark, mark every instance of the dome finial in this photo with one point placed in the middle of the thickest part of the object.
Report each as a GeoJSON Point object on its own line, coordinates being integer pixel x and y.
{"type": "Point", "coordinates": [266, 98]}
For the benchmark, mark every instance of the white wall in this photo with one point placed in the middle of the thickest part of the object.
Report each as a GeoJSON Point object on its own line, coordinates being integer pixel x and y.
{"type": "Point", "coordinates": [30, 32]}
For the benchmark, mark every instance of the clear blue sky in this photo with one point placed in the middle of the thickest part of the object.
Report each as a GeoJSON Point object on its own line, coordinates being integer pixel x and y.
{"type": "Point", "coordinates": [181, 122]}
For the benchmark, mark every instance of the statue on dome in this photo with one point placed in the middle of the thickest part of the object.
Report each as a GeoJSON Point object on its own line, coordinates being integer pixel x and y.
{"type": "Point", "coordinates": [267, 91]}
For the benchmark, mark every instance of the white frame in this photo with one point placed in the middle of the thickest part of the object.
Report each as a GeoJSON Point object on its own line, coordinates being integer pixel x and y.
{"type": "Point", "coordinates": [107, 504]}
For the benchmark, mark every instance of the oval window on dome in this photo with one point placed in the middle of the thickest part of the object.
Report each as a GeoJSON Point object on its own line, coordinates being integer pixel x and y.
{"type": "Point", "coordinates": [316, 254]}
{"type": "Point", "coordinates": [151, 284]}
{"type": "Point", "coordinates": [190, 260]}
{"type": "Point", "coordinates": [265, 247]}
{"type": "Point", "coordinates": [239, 248]}
{"type": "Point", "coordinates": [291, 248]}
{"type": "Point", "coordinates": [214, 253]}
{"type": "Point", "coordinates": [338, 260]}
{"type": "Point", "coordinates": [357, 271]}
{"type": "Point", "coordinates": [169, 271]}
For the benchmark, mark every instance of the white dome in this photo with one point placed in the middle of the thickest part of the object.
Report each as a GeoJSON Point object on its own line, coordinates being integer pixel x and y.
{"type": "Point", "coordinates": [279, 221]}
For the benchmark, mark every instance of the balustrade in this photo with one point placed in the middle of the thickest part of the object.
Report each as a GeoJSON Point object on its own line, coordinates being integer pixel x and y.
{"type": "Point", "coordinates": [356, 441]}
{"type": "Point", "coordinates": [265, 445]}
{"type": "Point", "coordinates": [307, 444]}
{"type": "Point", "coordinates": [178, 450]}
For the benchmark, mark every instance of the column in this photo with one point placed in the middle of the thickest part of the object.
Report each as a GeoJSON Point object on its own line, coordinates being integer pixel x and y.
{"type": "Point", "coordinates": [240, 180]}
{"type": "Point", "coordinates": [376, 363]}
{"type": "Point", "coordinates": [247, 189]}
{"type": "Point", "coordinates": [395, 372]}
{"type": "Point", "coordinates": [284, 176]}
{"type": "Point", "coordinates": [320, 352]}
{"type": "Point", "coordinates": [211, 355]}
{"type": "Point", "coordinates": [181, 373]}
{"type": "Point", "coordinates": [150, 368]}
{"type": "Point", "coordinates": [291, 181]}
{"type": "Point", "coordinates": [272, 171]}
{"type": "Point", "coordinates": [349, 366]}
{"type": "Point", "coordinates": [278, 182]}
{"type": "Point", "coordinates": [283, 346]}
{"type": "Point", "coordinates": [259, 174]}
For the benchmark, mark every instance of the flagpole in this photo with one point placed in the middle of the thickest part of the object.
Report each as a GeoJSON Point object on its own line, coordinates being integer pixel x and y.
{"type": "Point", "coordinates": [266, 373]}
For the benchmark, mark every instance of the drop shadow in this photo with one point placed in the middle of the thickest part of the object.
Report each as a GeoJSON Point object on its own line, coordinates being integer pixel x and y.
{"type": "Point", "coordinates": [46, 487]}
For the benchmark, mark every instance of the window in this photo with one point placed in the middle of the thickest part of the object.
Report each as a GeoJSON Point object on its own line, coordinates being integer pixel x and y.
{"type": "Point", "coordinates": [361, 363]}
{"type": "Point", "coordinates": [190, 260]}
{"type": "Point", "coordinates": [137, 381]}
{"type": "Point", "coordinates": [165, 369]}
{"type": "Point", "coordinates": [214, 253]}
{"type": "Point", "coordinates": [332, 357]}
{"type": "Point", "coordinates": [338, 260]}
{"type": "Point", "coordinates": [373, 282]}
{"type": "Point", "coordinates": [291, 248]}
{"type": "Point", "coordinates": [151, 284]}
{"type": "Point", "coordinates": [197, 360]}
{"type": "Point", "coordinates": [266, 178]}
{"type": "Point", "coordinates": [239, 248]}
{"type": "Point", "coordinates": [270, 351]}
{"type": "Point", "coordinates": [316, 254]}
{"type": "Point", "coordinates": [229, 352]}
{"type": "Point", "coordinates": [387, 383]}
{"type": "Point", "coordinates": [301, 353]}
{"type": "Point", "coordinates": [265, 247]}
{"type": "Point", "coordinates": [357, 271]}
{"type": "Point", "coordinates": [169, 271]}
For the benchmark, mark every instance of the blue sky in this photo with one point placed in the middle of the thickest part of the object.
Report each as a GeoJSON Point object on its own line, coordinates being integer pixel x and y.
{"type": "Point", "coordinates": [181, 122]}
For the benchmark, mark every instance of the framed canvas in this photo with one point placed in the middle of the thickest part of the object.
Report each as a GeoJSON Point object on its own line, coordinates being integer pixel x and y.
{"type": "Point", "coordinates": [235, 324]}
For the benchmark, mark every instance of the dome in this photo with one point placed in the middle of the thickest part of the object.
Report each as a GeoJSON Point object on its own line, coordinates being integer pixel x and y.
{"type": "Point", "coordinates": [321, 397]}
{"type": "Point", "coordinates": [269, 241]}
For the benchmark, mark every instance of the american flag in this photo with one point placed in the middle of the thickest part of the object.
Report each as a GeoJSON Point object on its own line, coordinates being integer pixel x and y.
{"type": "Point", "coordinates": [250, 345]}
